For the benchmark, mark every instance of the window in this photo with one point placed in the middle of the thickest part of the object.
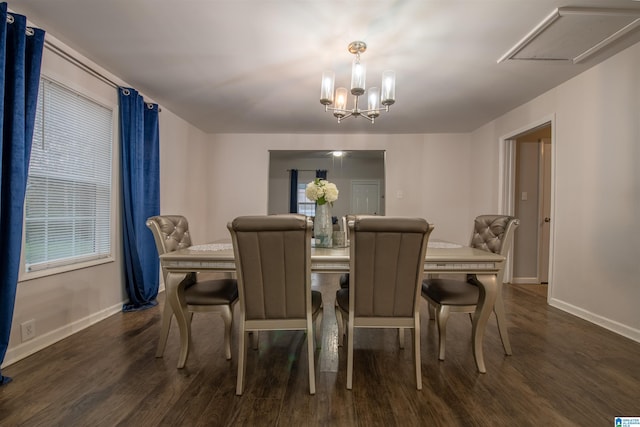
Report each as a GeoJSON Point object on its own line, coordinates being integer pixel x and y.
{"type": "Point", "coordinates": [305, 206]}
{"type": "Point", "coordinates": [68, 200]}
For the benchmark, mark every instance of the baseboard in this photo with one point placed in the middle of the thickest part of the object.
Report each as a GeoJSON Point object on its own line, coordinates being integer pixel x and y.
{"type": "Point", "coordinates": [27, 348]}
{"type": "Point", "coordinates": [525, 280]}
{"type": "Point", "coordinates": [612, 325]}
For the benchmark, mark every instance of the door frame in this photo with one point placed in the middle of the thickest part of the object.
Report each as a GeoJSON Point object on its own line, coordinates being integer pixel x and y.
{"type": "Point", "coordinates": [543, 186]}
{"type": "Point", "coordinates": [507, 179]}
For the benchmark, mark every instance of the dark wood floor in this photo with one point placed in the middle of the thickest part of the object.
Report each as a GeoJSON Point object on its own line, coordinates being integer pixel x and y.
{"type": "Point", "coordinates": [564, 371]}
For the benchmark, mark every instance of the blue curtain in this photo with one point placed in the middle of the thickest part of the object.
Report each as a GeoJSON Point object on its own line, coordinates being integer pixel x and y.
{"type": "Point", "coordinates": [140, 163]}
{"type": "Point", "coordinates": [293, 191]}
{"type": "Point", "coordinates": [321, 173]}
{"type": "Point", "coordinates": [20, 61]}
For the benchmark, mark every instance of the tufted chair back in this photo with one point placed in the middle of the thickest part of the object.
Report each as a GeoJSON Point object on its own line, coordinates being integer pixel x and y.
{"type": "Point", "coordinates": [170, 232]}
{"type": "Point", "coordinates": [491, 233]}
{"type": "Point", "coordinates": [494, 233]}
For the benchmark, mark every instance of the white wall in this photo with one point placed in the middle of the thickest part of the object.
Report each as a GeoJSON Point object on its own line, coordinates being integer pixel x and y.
{"type": "Point", "coordinates": [426, 176]}
{"type": "Point", "coordinates": [596, 150]}
{"type": "Point", "coordinates": [184, 174]}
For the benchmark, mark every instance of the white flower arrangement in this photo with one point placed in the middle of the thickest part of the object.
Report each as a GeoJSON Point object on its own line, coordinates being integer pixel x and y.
{"type": "Point", "coordinates": [321, 191]}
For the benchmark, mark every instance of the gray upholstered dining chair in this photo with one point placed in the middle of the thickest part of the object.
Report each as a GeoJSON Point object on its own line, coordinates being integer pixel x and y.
{"type": "Point", "coordinates": [386, 269]}
{"type": "Point", "coordinates": [171, 232]}
{"type": "Point", "coordinates": [273, 266]}
{"type": "Point", "coordinates": [493, 233]}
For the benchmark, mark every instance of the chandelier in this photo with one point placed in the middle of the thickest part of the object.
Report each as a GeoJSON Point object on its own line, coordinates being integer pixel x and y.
{"type": "Point", "coordinates": [377, 100]}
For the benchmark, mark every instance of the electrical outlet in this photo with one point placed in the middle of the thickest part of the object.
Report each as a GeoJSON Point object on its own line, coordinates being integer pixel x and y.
{"type": "Point", "coordinates": [28, 330]}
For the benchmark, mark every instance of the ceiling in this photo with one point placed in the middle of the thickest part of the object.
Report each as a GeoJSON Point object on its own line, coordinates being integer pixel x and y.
{"type": "Point", "coordinates": [254, 66]}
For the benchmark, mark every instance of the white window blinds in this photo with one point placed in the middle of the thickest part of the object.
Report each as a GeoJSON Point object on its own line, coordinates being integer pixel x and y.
{"type": "Point", "coordinates": [68, 200]}
{"type": "Point", "coordinates": [305, 206]}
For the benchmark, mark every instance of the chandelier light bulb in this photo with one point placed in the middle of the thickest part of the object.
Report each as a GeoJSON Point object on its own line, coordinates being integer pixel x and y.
{"type": "Point", "coordinates": [374, 102]}
{"type": "Point", "coordinates": [358, 77]}
{"type": "Point", "coordinates": [326, 88]}
{"type": "Point", "coordinates": [388, 87]}
{"type": "Point", "coordinates": [341, 102]}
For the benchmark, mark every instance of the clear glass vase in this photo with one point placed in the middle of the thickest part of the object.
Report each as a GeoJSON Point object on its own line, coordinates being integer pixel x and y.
{"type": "Point", "coordinates": [322, 226]}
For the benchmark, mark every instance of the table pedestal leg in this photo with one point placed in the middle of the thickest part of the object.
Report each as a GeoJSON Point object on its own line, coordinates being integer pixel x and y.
{"type": "Point", "coordinates": [175, 297]}
{"type": "Point", "coordinates": [486, 300]}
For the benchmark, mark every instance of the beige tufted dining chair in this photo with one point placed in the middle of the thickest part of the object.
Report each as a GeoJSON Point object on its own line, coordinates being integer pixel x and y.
{"type": "Point", "coordinates": [171, 232]}
{"type": "Point", "coordinates": [492, 233]}
{"type": "Point", "coordinates": [273, 265]}
{"type": "Point", "coordinates": [386, 269]}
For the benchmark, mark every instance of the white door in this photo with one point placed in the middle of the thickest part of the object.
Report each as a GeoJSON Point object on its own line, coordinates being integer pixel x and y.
{"type": "Point", "coordinates": [365, 197]}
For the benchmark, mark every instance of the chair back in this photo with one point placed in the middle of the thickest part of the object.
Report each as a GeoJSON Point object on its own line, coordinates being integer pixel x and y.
{"type": "Point", "coordinates": [273, 265]}
{"type": "Point", "coordinates": [387, 265]}
{"type": "Point", "coordinates": [170, 232]}
{"type": "Point", "coordinates": [494, 233]}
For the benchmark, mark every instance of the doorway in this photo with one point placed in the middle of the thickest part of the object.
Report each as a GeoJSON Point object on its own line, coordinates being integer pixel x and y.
{"type": "Point", "coordinates": [528, 194]}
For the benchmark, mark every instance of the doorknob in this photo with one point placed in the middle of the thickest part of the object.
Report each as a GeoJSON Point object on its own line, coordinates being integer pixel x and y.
{"type": "Point", "coordinates": [547, 219]}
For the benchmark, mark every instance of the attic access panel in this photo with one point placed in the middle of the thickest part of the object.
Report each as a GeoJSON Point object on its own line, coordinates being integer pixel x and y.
{"type": "Point", "coordinates": [573, 34]}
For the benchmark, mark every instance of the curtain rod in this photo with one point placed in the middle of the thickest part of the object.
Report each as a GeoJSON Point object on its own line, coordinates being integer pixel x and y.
{"type": "Point", "coordinates": [68, 57]}
{"type": "Point", "coordinates": [65, 55]}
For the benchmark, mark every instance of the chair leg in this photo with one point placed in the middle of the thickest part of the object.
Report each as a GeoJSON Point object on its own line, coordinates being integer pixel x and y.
{"type": "Point", "coordinates": [167, 315]}
{"type": "Point", "coordinates": [317, 322]}
{"type": "Point", "coordinates": [242, 356]}
{"type": "Point", "coordinates": [401, 337]}
{"type": "Point", "coordinates": [442, 315]}
{"type": "Point", "coordinates": [227, 317]}
{"type": "Point", "coordinates": [431, 311]}
{"type": "Point", "coordinates": [349, 355]}
{"type": "Point", "coordinates": [416, 352]}
{"type": "Point", "coordinates": [254, 339]}
{"type": "Point", "coordinates": [310, 356]}
{"type": "Point", "coordinates": [340, 322]}
{"type": "Point", "coordinates": [498, 309]}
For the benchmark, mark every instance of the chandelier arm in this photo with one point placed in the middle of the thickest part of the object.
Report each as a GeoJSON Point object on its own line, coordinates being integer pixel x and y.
{"type": "Point", "coordinates": [346, 116]}
{"type": "Point", "coordinates": [381, 109]}
{"type": "Point", "coordinates": [327, 108]}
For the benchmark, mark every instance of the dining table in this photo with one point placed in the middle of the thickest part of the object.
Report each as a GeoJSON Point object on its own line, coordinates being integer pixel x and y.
{"type": "Point", "coordinates": [441, 257]}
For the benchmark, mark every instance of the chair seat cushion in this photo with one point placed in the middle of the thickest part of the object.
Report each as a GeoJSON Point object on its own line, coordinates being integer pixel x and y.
{"type": "Point", "coordinates": [344, 280]}
{"type": "Point", "coordinates": [342, 299]}
{"type": "Point", "coordinates": [212, 292]}
{"type": "Point", "coordinates": [450, 291]}
{"type": "Point", "coordinates": [316, 301]}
